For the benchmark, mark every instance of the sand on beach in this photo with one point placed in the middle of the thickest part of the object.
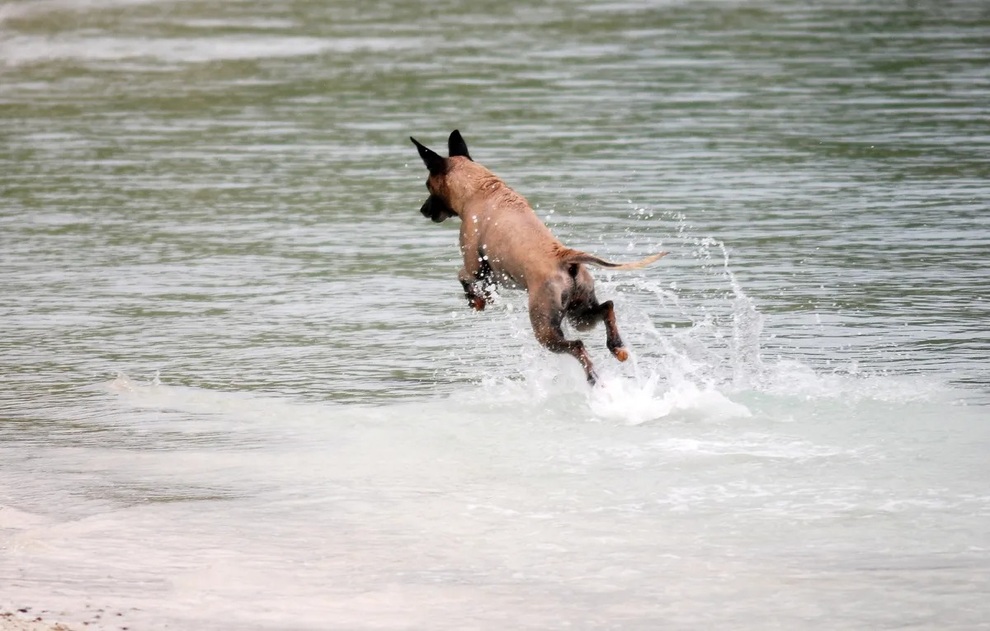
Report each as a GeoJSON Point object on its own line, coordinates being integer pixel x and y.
{"type": "Point", "coordinates": [23, 621]}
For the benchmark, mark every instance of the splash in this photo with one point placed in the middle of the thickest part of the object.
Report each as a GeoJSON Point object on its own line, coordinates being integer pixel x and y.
{"type": "Point", "coordinates": [697, 367]}
{"type": "Point", "coordinates": [637, 402]}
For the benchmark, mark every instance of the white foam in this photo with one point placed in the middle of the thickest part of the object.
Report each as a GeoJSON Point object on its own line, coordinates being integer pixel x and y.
{"type": "Point", "coordinates": [794, 379]}
{"type": "Point", "coordinates": [244, 407]}
{"type": "Point", "coordinates": [30, 49]}
{"type": "Point", "coordinates": [14, 519]}
{"type": "Point", "coordinates": [20, 10]}
{"type": "Point", "coordinates": [764, 446]}
{"type": "Point", "coordinates": [636, 402]}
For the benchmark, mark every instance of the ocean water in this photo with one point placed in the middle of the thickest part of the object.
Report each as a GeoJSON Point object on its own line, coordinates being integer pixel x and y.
{"type": "Point", "coordinates": [240, 387]}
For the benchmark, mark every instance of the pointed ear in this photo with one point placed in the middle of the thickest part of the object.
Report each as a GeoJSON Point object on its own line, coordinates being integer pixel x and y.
{"type": "Point", "coordinates": [433, 161]}
{"type": "Point", "coordinates": [456, 145]}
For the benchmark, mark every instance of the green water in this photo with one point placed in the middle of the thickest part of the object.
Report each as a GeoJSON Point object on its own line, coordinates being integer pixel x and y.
{"type": "Point", "coordinates": [236, 152]}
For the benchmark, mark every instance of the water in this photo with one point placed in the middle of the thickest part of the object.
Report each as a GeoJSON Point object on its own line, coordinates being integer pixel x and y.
{"type": "Point", "coordinates": [239, 385]}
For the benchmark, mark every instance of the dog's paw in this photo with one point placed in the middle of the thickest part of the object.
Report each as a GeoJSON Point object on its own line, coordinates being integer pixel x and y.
{"type": "Point", "coordinates": [477, 303]}
{"type": "Point", "coordinates": [621, 354]}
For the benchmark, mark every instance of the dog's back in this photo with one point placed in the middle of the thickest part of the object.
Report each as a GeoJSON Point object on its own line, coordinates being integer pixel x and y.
{"type": "Point", "coordinates": [501, 228]}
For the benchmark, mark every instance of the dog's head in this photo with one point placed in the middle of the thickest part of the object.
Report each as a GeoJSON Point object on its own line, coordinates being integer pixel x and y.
{"type": "Point", "coordinates": [437, 206]}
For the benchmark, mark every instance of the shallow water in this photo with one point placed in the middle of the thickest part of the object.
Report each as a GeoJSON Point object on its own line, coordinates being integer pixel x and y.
{"type": "Point", "coordinates": [239, 384]}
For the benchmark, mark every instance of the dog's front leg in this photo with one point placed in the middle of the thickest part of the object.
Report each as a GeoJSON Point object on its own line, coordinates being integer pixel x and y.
{"type": "Point", "coordinates": [469, 282]}
{"type": "Point", "coordinates": [474, 272]}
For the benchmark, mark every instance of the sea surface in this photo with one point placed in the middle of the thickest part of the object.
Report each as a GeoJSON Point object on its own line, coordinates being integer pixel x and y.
{"type": "Point", "coordinates": [240, 387]}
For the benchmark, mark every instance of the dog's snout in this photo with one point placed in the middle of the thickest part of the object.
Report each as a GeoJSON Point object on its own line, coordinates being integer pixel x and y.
{"type": "Point", "coordinates": [436, 209]}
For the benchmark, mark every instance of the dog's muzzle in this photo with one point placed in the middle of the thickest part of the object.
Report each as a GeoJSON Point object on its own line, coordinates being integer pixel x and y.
{"type": "Point", "coordinates": [435, 209]}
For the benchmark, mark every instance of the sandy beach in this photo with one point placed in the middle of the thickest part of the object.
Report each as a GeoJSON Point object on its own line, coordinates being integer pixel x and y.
{"type": "Point", "coordinates": [24, 621]}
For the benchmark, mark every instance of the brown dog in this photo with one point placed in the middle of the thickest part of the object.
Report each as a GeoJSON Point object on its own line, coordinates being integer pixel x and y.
{"type": "Point", "coordinates": [504, 242]}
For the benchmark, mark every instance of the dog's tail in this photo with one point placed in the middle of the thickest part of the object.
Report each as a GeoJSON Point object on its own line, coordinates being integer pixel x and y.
{"type": "Point", "coordinates": [577, 256]}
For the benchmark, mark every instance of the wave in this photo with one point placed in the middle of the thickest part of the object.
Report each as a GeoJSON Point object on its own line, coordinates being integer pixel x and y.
{"type": "Point", "coordinates": [696, 355]}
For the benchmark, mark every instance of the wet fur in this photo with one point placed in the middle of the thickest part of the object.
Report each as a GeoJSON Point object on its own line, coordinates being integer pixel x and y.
{"type": "Point", "coordinates": [503, 242]}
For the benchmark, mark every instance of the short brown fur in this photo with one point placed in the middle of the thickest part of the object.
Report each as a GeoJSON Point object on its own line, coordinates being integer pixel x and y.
{"type": "Point", "coordinates": [503, 242]}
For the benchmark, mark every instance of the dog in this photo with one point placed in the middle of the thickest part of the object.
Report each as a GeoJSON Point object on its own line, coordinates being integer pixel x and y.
{"type": "Point", "coordinates": [503, 242]}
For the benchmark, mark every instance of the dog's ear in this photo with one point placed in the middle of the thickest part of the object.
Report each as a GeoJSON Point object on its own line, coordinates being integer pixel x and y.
{"type": "Point", "coordinates": [434, 162]}
{"type": "Point", "coordinates": [456, 145]}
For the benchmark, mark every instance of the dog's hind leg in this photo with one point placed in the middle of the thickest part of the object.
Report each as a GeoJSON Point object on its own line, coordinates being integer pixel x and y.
{"type": "Point", "coordinates": [584, 311]}
{"type": "Point", "coordinates": [612, 338]}
{"type": "Point", "coordinates": [546, 315]}
{"type": "Point", "coordinates": [588, 316]}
